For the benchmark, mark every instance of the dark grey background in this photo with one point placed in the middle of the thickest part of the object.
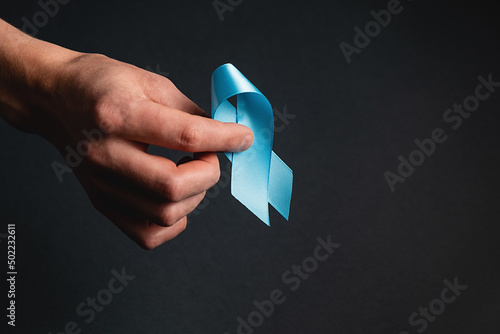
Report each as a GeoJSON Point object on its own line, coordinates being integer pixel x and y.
{"type": "Point", "coordinates": [352, 121]}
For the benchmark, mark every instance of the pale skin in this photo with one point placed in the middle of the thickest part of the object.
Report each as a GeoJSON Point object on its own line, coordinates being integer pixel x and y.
{"type": "Point", "coordinates": [56, 93]}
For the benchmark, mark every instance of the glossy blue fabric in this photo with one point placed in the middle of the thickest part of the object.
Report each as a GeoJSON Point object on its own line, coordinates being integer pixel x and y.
{"type": "Point", "coordinates": [258, 175]}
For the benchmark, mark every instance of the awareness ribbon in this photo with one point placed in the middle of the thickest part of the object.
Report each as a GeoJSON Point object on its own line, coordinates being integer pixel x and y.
{"type": "Point", "coordinates": [258, 175]}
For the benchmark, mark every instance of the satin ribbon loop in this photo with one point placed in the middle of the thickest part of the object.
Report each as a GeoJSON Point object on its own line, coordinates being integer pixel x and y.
{"type": "Point", "coordinates": [258, 175]}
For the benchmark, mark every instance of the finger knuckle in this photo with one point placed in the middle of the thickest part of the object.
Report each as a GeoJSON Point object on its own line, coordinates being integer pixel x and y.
{"type": "Point", "coordinates": [171, 189]}
{"type": "Point", "coordinates": [148, 242]}
{"type": "Point", "coordinates": [183, 225]}
{"type": "Point", "coordinates": [191, 136]}
{"type": "Point", "coordinates": [215, 175]}
{"type": "Point", "coordinates": [167, 216]}
{"type": "Point", "coordinates": [163, 82]}
{"type": "Point", "coordinates": [108, 115]}
{"type": "Point", "coordinates": [96, 155]}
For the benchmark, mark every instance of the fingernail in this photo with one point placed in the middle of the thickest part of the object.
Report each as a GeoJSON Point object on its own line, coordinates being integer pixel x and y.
{"type": "Point", "coordinates": [245, 143]}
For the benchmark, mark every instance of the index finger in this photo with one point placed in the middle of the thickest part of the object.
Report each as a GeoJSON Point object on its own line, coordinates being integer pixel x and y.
{"type": "Point", "coordinates": [160, 125]}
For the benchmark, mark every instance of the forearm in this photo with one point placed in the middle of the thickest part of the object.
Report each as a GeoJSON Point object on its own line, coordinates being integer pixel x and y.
{"type": "Point", "coordinates": [28, 75]}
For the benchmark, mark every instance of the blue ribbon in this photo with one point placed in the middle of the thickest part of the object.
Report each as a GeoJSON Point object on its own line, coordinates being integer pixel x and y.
{"type": "Point", "coordinates": [258, 175]}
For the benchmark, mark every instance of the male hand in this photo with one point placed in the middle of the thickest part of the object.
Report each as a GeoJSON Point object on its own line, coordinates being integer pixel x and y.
{"type": "Point", "coordinates": [58, 93]}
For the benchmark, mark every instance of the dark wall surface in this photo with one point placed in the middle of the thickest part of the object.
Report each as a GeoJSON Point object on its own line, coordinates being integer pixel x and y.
{"type": "Point", "coordinates": [347, 124]}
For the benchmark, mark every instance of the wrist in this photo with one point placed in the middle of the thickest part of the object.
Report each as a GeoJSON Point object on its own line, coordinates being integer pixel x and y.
{"type": "Point", "coordinates": [29, 73]}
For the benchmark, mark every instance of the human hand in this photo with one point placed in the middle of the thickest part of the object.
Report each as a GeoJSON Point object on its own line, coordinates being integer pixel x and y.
{"type": "Point", "coordinates": [146, 196]}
